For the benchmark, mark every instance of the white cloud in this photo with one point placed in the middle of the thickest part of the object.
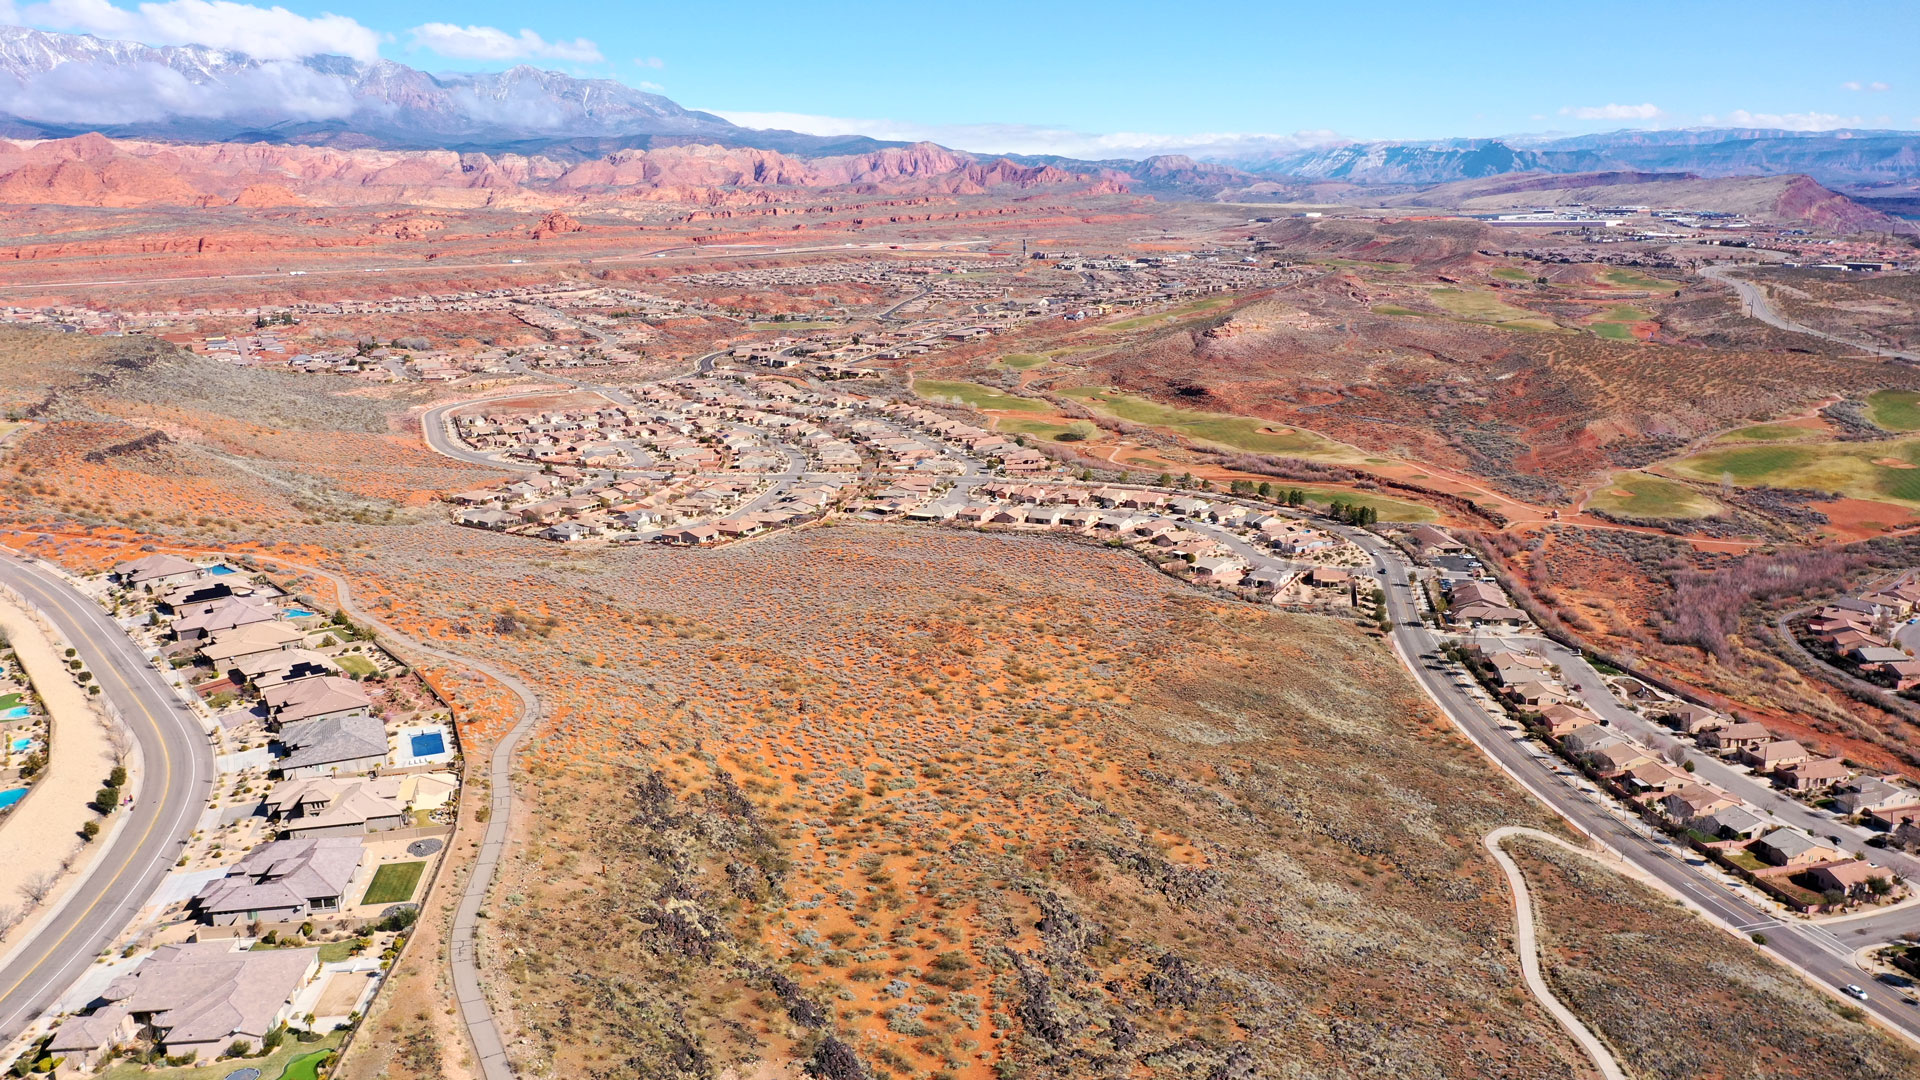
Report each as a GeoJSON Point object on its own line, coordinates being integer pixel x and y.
{"type": "Point", "coordinates": [1806, 121]}
{"type": "Point", "coordinates": [1873, 87]}
{"type": "Point", "coordinates": [493, 43]}
{"type": "Point", "coordinates": [1648, 111]}
{"type": "Point", "coordinates": [264, 33]}
{"type": "Point", "coordinates": [653, 62]}
{"type": "Point", "coordinates": [1034, 139]}
{"type": "Point", "coordinates": [84, 92]}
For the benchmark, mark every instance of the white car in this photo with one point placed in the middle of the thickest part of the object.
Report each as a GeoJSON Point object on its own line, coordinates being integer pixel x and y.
{"type": "Point", "coordinates": [1854, 991]}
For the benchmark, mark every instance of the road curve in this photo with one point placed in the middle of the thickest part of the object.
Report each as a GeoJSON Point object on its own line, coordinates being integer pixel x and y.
{"type": "Point", "coordinates": [177, 781]}
{"type": "Point", "coordinates": [1524, 942]}
{"type": "Point", "coordinates": [464, 953]}
{"type": "Point", "coordinates": [1819, 954]}
{"type": "Point", "coordinates": [1760, 308]}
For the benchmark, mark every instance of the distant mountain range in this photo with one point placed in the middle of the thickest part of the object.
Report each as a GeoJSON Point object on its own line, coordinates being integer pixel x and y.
{"type": "Point", "coordinates": [1836, 158]}
{"type": "Point", "coordinates": [61, 85]}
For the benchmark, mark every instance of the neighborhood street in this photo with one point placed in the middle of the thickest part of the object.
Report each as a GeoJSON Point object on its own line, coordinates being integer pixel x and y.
{"type": "Point", "coordinates": [1814, 949]}
{"type": "Point", "coordinates": [177, 767]}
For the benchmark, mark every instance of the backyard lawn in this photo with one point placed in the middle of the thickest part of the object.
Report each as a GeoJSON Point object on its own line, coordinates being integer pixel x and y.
{"type": "Point", "coordinates": [293, 1060]}
{"type": "Point", "coordinates": [394, 883]}
{"type": "Point", "coordinates": [356, 665]}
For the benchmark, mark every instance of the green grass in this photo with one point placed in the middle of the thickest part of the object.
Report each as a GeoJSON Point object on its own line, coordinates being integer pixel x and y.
{"type": "Point", "coordinates": [1198, 307]}
{"type": "Point", "coordinates": [980, 397]}
{"type": "Point", "coordinates": [1361, 264]}
{"type": "Point", "coordinates": [1768, 433]}
{"type": "Point", "coordinates": [1849, 469]}
{"type": "Point", "coordinates": [1633, 279]}
{"type": "Point", "coordinates": [335, 951]}
{"type": "Point", "coordinates": [304, 1067]}
{"type": "Point", "coordinates": [1222, 429]}
{"type": "Point", "coordinates": [8, 701]}
{"type": "Point", "coordinates": [1388, 509]}
{"type": "Point", "coordinates": [1020, 425]}
{"type": "Point", "coordinates": [1637, 494]}
{"type": "Point", "coordinates": [279, 1065]}
{"type": "Point", "coordinates": [1474, 305]}
{"type": "Point", "coordinates": [394, 883]}
{"type": "Point", "coordinates": [1617, 324]}
{"type": "Point", "coordinates": [1023, 361]}
{"type": "Point", "coordinates": [1512, 273]}
{"type": "Point", "coordinates": [354, 664]}
{"type": "Point", "coordinates": [1895, 410]}
{"type": "Point", "coordinates": [792, 325]}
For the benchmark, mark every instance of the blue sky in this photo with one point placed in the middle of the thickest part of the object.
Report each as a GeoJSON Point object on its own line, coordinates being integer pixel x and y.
{"type": "Point", "coordinates": [1123, 77]}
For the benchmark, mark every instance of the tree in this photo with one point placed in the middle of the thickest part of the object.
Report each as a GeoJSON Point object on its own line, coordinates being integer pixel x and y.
{"type": "Point", "coordinates": [90, 829]}
{"type": "Point", "coordinates": [1166, 480]}
{"type": "Point", "coordinates": [1266, 489]}
{"type": "Point", "coordinates": [38, 887]}
{"type": "Point", "coordinates": [1078, 431]}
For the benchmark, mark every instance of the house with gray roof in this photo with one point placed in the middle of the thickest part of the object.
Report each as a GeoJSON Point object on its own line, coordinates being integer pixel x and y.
{"type": "Point", "coordinates": [198, 997]}
{"type": "Point", "coordinates": [333, 745]}
{"type": "Point", "coordinates": [314, 699]}
{"type": "Point", "coordinates": [284, 881]}
{"type": "Point", "coordinates": [1731, 823]}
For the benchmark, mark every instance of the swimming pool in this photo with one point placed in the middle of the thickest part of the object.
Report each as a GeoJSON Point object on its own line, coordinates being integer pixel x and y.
{"type": "Point", "coordinates": [23, 744]}
{"type": "Point", "coordinates": [18, 712]}
{"type": "Point", "coordinates": [222, 570]}
{"type": "Point", "coordinates": [297, 613]}
{"type": "Point", "coordinates": [11, 796]}
{"type": "Point", "coordinates": [428, 744]}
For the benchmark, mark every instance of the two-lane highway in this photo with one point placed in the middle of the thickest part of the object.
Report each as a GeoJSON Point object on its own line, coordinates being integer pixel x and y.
{"type": "Point", "coordinates": [1823, 954]}
{"type": "Point", "coordinates": [175, 784]}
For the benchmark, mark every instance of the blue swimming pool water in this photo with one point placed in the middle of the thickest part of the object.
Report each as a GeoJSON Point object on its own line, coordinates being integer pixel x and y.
{"type": "Point", "coordinates": [18, 712]}
{"type": "Point", "coordinates": [11, 796]}
{"type": "Point", "coordinates": [429, 744]}
{"type": "Point", "coordinates": [221, 571]}
{"type": "Point", "coordinates": [295, 613]}
{"type": "Point", "coordinates": [23, 744]}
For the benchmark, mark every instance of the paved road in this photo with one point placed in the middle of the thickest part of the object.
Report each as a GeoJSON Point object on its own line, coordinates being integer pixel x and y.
{"type": "Point", "coordinates": [434, 425]}
{"type": "Point", "coordinates": [1761, 308]}
{"type": "Point", "coordinates": [464, 953]}
{"type": "Point", "coordinates": [175, 786]}
{"type": "Point", "coordinates": [1817, 951]}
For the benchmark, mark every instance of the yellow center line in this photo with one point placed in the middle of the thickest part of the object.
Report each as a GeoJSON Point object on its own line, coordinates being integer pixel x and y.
{"type": "Point", "coordinates": [166, 758]}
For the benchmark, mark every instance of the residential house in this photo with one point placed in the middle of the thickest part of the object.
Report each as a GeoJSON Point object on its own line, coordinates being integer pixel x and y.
{"type": "Point", "coordinates": [156, 571]}
{"type": "Point", "coordinates": [1777, 754]}
{"type": "Point", "coordinates": [1729, 823]}
{"type": "Point", "coordinates": [1691, 719]}
{"type": "Point", "coordinates": [487, 518]}
{"type": "Point", "coordinates": [1218, 570]}
{"type": "Point", "coordinates": [1516, 667]}
{"type": "Point", "coordinates": [322, 806]}
{"type": "Point", "coordinates": [1736, 737]}
{"type": "Point", "coordinates": [1876, 654]}
{"type": "Point", "coordinates": [198, 998]}
{"type": "Point", "coordinates": [1873, 794]}
{"type": "Point", "coordinates": [332, 745]}
{"type": "Point", "coordinates": [1617, 756]}
{"type": "Point", "coordinates": [1583, 740]}
{"type": "Point", "coordinates": [1696, 801]}
{"type": "Point", "coordinates": [1815, 774]}
{"type": "Point", "coordinates": [1854, 880]}
{"type": "Point", "coordinates": [1791, 847]}
{"type": "Point", "coordinates": [1657, 776]}
{"type": "Point", "coordinates": [226, 647]}
{"type": "Point", "coordinates": [1537, 695]}
{"type": "Point", "coordinates": [284, 666]}
{"type": "Point", "coordinates": [314, 699]}
{"type": "Point", "coordinates": [283, 881]}
{"type": "Point", "coordinates": [199, 622]}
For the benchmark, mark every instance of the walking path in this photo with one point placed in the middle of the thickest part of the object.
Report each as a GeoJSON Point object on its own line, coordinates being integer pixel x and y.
{"type": "Point", "coordinates": [1524, 942]}
{"type": "Point", "coordinates": [40, 836]}
{"type": "Point", "coordinates": [464, 952]}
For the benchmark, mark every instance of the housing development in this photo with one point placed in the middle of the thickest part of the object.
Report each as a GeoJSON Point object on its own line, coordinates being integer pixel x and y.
{"type": "Point", "coordinates": [507, 577]}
